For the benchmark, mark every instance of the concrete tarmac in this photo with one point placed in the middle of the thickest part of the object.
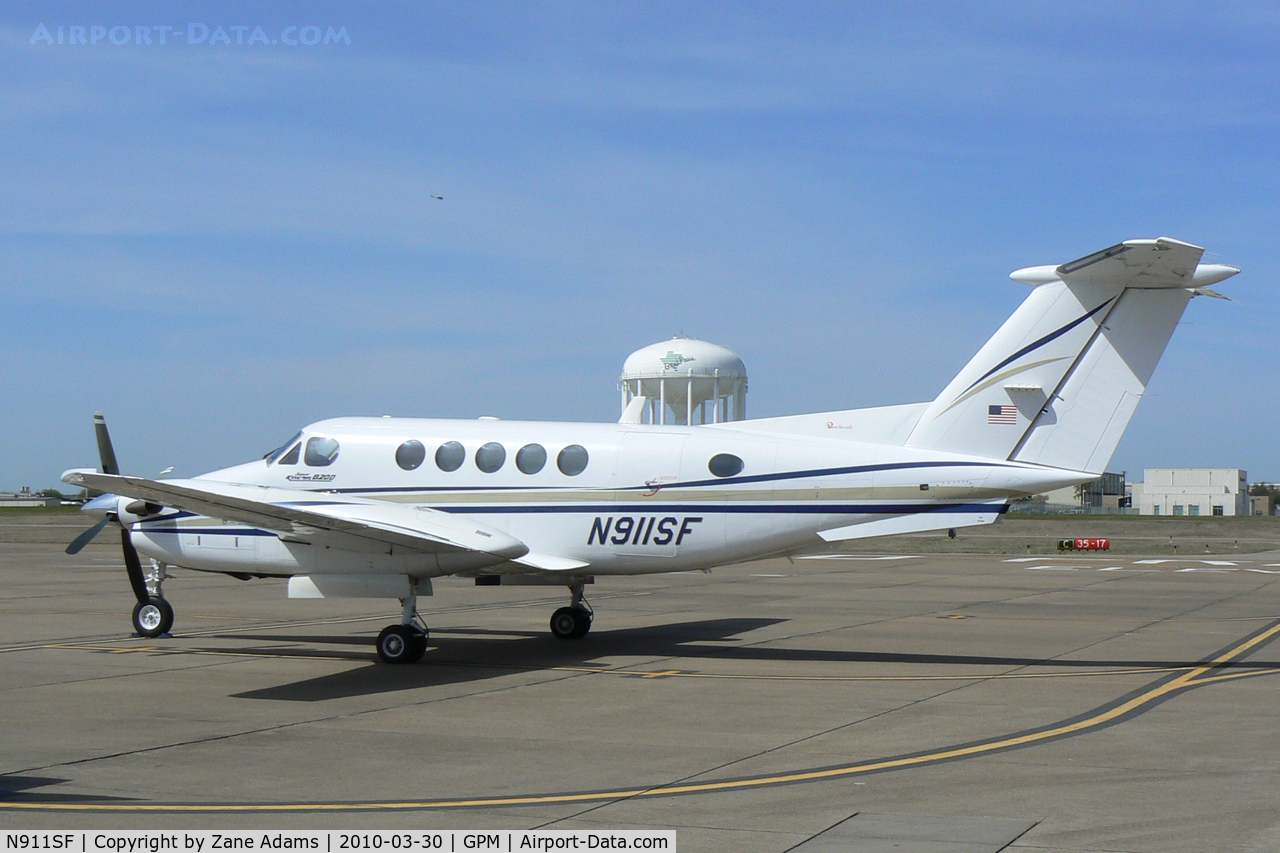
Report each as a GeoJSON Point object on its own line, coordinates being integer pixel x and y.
{"type": "Point", "coordinates": [885, 702]}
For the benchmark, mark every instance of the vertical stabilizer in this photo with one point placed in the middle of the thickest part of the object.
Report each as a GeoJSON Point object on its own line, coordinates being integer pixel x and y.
{"type": "Point", "coordinates": [1058, 383]}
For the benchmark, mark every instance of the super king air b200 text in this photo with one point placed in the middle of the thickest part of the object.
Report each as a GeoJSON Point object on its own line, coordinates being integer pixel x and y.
{"type": "Point", "coordinates": [378, 507]}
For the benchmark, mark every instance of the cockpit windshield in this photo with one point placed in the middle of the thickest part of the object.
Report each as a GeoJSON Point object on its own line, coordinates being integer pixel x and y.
{"type": "Point", "coordinates": [275, 454]}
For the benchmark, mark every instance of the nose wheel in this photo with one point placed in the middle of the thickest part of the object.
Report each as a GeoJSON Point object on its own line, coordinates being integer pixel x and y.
{"type": "Point", "coordinates": [153, 617]}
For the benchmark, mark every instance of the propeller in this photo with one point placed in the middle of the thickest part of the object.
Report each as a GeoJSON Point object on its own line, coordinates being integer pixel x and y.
{"type": "Point", "coordinates": [106, 452]}
{"type": "Point", "coordinates": [77, 544]}
{"type": "Point", "coordinates": [133, 566]}
{"type": "Point", "coordinates": [108, 505]}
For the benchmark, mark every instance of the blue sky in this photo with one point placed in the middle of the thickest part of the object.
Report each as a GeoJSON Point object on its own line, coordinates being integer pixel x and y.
{"type": "Point", "coordinates": [217, 243]}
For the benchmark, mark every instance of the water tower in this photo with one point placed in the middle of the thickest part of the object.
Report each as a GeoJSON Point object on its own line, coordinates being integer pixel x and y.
{"type": "Point", "coordinates": [682, 378]}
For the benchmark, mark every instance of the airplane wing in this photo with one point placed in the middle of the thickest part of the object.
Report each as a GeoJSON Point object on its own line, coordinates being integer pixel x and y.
{"type": "Point", "coordinates": [340, 520]}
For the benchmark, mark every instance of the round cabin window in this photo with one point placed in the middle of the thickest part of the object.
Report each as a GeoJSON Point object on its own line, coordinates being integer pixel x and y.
{"type": "Point", "coordinates": [410, 455]}
{"type": "Point", "coordinates": [572, 461]}
{"type": "Point", "coordinates": [490, 457]}
{"type": "Point", "coordinates": [531, 458]}
{"type": "Point", "coordinates": [450, 456]}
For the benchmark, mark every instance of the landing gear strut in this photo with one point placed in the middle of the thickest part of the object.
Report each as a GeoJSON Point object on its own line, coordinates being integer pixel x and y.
{"type": "Point", "coordinates": [406, 642]}
{"type": "Point", "coordinates": [573, 622]}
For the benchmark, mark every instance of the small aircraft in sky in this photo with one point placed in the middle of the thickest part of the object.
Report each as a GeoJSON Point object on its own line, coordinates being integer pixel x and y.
{"type": "Point", "coordinates": [378, 507]}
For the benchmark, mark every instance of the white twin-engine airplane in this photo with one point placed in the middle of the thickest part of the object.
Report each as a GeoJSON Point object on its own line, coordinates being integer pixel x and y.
{"type": "Point", "coordinates": [377, 507]}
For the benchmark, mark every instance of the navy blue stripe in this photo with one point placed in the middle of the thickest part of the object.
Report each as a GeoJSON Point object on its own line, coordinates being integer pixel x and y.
{"type": "Point", "coordinates": [757, 478]}
{"type": "Point", "coordinates": [207, 531]}
{"type": "Point", "coordinates": [711, 509]}
{"type": "Point", "coordinates": [1037, 344]}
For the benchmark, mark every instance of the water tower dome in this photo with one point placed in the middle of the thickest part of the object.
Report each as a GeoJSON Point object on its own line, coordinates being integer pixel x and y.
{"type": "Point", "coordinates": [682, 378]}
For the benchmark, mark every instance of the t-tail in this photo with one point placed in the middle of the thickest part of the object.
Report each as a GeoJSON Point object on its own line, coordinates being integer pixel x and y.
{"type": "Point", "coordinates": [1058, 383]}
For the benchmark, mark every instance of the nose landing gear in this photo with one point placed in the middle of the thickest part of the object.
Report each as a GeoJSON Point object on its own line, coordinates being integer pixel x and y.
{"type": "Point", "coordinates": [152, 615]}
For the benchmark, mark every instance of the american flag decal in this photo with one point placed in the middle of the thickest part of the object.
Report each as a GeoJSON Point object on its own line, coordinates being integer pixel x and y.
{"type": "Point", "coordinates": [1002, 414]}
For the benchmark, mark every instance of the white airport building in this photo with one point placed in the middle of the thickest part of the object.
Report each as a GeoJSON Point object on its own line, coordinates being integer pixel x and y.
{"type": "Point", "coordinates": [1193, 491]}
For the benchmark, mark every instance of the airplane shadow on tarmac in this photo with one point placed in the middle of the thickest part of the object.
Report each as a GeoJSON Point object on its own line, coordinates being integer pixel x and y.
{"type": "Point", "coordinates": [466, 655]}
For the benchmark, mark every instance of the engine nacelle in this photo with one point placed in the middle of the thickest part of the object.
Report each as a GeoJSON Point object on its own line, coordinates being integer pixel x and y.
{"type": "Point", "coordinates": [128, 510]}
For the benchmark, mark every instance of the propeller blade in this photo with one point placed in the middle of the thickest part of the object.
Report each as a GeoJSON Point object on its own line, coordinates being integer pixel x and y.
{"type": "Point", "coordinates": [134, 567]}
{"type": "Point", "coordinates": [132, 564]}
{"type": "Point", "coordinates": [106, 452]}
{"type": "Point", "coordinates": [85, 538]}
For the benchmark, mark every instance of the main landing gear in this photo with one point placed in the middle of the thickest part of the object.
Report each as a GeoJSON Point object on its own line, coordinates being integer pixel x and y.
{"type": "Point", "coordinates": [406, 642]}
{"type": "Point", "coordinates": [572, 622]}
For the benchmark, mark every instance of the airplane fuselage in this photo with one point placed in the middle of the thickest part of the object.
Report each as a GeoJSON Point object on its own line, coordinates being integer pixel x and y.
{"type": "Point", "coordinates": [616, 498]}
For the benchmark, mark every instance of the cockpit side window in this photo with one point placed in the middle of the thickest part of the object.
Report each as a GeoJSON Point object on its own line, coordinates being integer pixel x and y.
{"type": "Point", "coordinates": [321, 451]}
{"type": "Point", "coordinates": [290, 458]}
{"type": "Point", "coordinates": [275, 454]}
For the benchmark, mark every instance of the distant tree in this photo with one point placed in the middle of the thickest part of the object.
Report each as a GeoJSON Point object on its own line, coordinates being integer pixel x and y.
{"type": "Point", "coordinates": [50, 493]}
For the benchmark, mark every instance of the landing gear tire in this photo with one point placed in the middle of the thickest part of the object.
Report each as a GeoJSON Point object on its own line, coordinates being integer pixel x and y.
{"type": "Point", "coordinates": [418, 647]}
{"type": "Point", "coordinates": [152, 617]}
{"type": "Point", "coordinates": [402, 644]}
{"type": "Point", "coordinates": [570, 623]}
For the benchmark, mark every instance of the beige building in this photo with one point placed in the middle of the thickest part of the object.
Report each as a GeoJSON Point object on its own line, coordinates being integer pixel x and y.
{"type": "Point", "coordinates": [1195, 491]}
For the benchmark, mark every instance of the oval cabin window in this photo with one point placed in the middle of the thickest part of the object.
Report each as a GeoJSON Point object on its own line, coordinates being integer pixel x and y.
{"type": "Point", "coordinates": [725, 465]}
{"type": "Point", "coordinates": [531, 458]}
{"type": "Point", "coordinates": [490, 457]}
{"type": "Point", "coordinates": [572, 461]}
{"type": "Point", "coordinates": [410, 455]}
{"type": "Point", "coordinates": [450, 456]}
